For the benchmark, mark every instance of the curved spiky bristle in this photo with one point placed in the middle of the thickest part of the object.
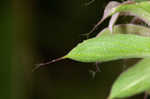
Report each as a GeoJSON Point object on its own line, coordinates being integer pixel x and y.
{"type": "Point", "coordinates": [46, 63]}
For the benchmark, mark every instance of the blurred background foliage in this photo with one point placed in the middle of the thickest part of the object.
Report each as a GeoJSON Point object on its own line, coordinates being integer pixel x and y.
{"type": "Point", "coordinates": [35, 31]}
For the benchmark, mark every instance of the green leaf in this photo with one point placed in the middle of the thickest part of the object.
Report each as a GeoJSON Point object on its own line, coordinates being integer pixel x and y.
{"type": "Point", "coordinates": [111, 47]}
{"type": "Point", "coordinates": [108, 10]}
{"type": "Point", "coordinates": [127, 29]}
{"type": "Point", "coordinates": [140, 0]}
{"type": "Point", "coordinates": [133, 81]}
{"type": "Point", "coordinates": [107, 47]}
{"type": "Point", "coordinates": [140, 10]}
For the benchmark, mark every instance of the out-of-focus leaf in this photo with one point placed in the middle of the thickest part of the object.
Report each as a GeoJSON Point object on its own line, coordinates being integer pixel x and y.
{"type": "Point", "coordinates": [133, 81]}
{"type": "Point", "coordinates": [127, 29]}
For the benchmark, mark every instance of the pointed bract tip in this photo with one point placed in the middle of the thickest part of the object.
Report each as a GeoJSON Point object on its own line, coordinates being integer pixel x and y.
{"type": "Point", "coordinates": [49, 62]}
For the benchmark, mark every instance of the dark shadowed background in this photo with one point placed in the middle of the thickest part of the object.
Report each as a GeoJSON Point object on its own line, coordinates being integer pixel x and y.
{"type": "Point", "coordinates": [44, 30]}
